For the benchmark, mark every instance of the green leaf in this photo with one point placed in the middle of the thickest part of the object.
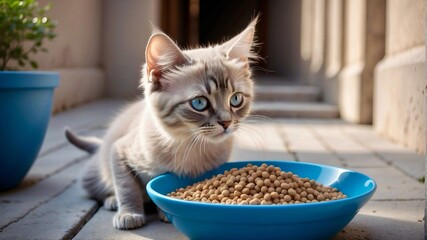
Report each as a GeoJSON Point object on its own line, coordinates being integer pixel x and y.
{"type": "Point", "coordinates": [21, 63]}
{"type": "Point", "coordinates": [23, 23]}
{"type": "Point", "coordinates": [34, 64]}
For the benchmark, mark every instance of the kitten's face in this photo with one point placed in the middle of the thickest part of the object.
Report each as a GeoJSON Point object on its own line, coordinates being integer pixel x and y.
{"type": "Point", "coordinates": [202, 93]}
{"type": "Point", "coordinates": [205, 98]}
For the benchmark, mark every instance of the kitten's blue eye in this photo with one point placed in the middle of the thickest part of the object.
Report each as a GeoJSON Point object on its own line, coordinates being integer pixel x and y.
{"type": "Point", "coordinates": [199, 103]}
{"type": "Point", "coordinates": [236, 100]}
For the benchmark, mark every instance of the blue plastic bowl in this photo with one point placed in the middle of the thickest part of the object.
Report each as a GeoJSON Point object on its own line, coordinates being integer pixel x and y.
{"type": "Point", "coordinates": [320, 220]}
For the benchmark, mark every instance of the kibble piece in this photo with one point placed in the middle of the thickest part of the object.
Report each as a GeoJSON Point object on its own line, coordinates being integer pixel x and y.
{"type": "Point", "coordinates": [272, 178]}
{"type": "Point", "coordinates": [285, 186]}
{"type": "Point", "coordinates": [287, 198]}
{"type": "Point", "coordinates": [250, 185]}
{"type": "Point", "coordinates": [263, 185]}
{"type": "Point", "coordinates": [274, 195]}
{"type": "Point", "coordinates": [265, 175]}
{"type": "Point", "coordinates": [244, 196]}
{"type": "Point", "coordinates": [264, 189]}
{"type": "Point", "coordinates": [213, 197]}
{"type": "Point", "coordinates": [225, 193]}
{"type": "Point", "coordinates": [267, 197]}
{"type": "Point", "coordinates": [258, 195]}
{"type": "Point", "coordinates": [245, 190]}
{"type": "Point", "coordinates": [238, 187]}
{"type": "Point", "coordinates": [230, 182]}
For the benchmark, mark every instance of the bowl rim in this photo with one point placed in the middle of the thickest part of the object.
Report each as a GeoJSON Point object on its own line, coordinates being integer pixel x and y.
{"type": "Point", "coordinates": [300, 205]}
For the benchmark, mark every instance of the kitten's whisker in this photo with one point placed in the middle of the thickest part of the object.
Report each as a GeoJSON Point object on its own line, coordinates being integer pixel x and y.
{"type": "Point", "coordinates": [199, 143]}
{"type": "Point", "coordinates": [182, 142]}
{"type": "Point", "coordinates": [252, 130]}
{"type": "Point", "coordinates": [189, 147]}
{"type": "Point", "coordinates": [260, 117]}
{"type": "Point", "coordinates": [204, 145]}
{"type": "Point", "coordinates": [252, 134]}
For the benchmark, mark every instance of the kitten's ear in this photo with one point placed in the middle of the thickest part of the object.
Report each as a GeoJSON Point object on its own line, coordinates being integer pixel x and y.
{"type": "Point", "coordinates": [162, 53]}
{"type": "Point", "coordinates": [240, 47]}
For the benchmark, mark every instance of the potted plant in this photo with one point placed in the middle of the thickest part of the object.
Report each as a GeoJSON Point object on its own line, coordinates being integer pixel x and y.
{"type": "Point", "coordinates": [25, 96]}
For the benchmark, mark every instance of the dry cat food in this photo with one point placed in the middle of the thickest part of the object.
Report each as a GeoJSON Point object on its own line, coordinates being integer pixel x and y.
{"type": "Point", "coordinates": [257, 185]}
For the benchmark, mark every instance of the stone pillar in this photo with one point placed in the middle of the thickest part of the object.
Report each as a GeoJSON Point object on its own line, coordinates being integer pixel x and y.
{"type": "Point", "coordinates": [363, 48]}
{"type": "Point", "coordinates": [400, 85]}
{"type": "Point", "coordinates": [312, 41]}
{"type": "Point", "coordinates": [306, 36]}
{"type": "Point", "coordinates": [318, 42]}
{"type": "Point", "coordinates": [333, 50]}
{"type": "Point", "coordinates": [75, 52]}
{"type": "Point", "coordinates": [125, 32]}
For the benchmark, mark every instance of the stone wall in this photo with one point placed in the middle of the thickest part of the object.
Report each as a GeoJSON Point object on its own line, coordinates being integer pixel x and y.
{"type": "Point", "coordinates": [368, 56]}
{"type": "Point", "coordinates": [363, 49]}
{"type": "Point", "coordinates": [400, 85]}
{"type": "Point", "coordinates": [76, 52]}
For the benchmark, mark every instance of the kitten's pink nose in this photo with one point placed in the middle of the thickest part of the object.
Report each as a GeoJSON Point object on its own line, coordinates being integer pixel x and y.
{"type": "Point", "coordinates": [224, 124]}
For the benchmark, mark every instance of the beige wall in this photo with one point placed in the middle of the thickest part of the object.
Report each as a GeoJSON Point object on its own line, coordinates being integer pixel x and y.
{"type": "Point", "coordinates": [399, 96]}
{"type": "Point", "coordinates": [125, 31]}
{"type": "Point", "coordinates": [99, 48]}
{"type": "Point", "coordinates": [75, 52]}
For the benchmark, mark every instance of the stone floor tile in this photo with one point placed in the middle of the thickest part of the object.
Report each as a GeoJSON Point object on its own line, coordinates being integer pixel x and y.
{"type": "Point", "coordinates": [17, 203]}
{"type": "Point", "coordinates": [242, 154]}
{"type": "Point", "coordinates": [101, 227]}
{"type": "Point", "coordinates": [406, 160]}
{"type": "Point", "coordinates": [391, 220]}
{"type": "Point", "coordinates": [319, 158]}
{"type": "Point", "coordinates": [393, 184]}
{"type": "Point", "coordinates": [59, 218]}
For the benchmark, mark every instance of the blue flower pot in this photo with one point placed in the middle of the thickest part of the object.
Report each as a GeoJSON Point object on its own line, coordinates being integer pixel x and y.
{"type": "Point", "coordinates": [25, 108]}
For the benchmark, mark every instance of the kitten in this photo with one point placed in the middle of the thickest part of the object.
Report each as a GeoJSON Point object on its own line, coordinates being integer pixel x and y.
{"type": "Point", "coordinates": [194, 101]}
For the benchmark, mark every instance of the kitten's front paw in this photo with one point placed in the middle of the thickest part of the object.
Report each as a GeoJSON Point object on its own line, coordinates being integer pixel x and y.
{"type": "Point", "coordinates": [110, 203]}
{"type": "Point", "coordinates": [126, 221]}
{"type": "Point", "coordinates": [162, 216]}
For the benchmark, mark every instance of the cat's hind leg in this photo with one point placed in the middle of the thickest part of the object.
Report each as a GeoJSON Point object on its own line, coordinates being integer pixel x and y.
{"type": "Point", "coordinates": [98, 189]}
{"type": "Point", "coordinates": [110, 203]}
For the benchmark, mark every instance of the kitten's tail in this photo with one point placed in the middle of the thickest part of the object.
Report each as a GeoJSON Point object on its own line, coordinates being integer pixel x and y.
{"type": "Point", "coordinates": [88, 144]}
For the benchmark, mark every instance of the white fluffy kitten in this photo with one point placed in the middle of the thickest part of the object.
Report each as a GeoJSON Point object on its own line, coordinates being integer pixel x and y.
{"type": "Point", "coordinates": [194, 101]}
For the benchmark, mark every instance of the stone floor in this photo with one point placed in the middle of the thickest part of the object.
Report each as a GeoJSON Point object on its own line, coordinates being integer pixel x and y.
{"type": "Point", "coordinates": [50, 204]}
